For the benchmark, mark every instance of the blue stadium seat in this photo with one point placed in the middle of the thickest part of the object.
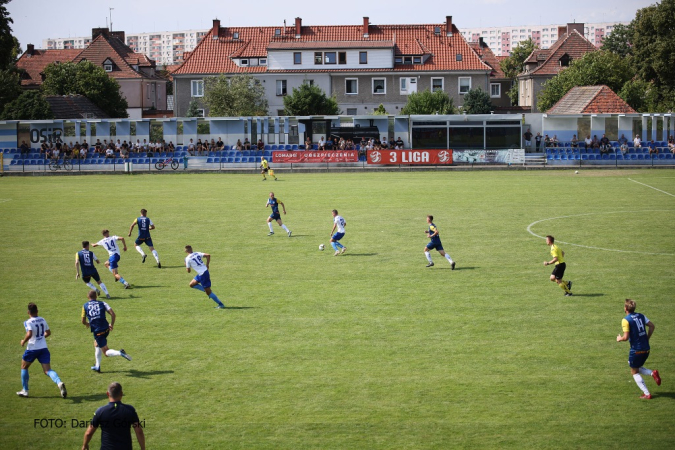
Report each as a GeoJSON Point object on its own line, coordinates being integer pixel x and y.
{"type": "Point", "coordinates": [669, 155]}
{"type": "Point", "coordinates": [237, 159]}
{"type": "Point", "coordinates": [584, 157]}
{"type": "Point", "coordinates": [227, 147]}
{"type": "Point", "coordinates": [274, 147]}
{"type": "Point", "coordinates": [267, 147]}
{"type": "Point", "coordinates": [209, 160]}
{"type": "Point", "coordinates": [294, 147]}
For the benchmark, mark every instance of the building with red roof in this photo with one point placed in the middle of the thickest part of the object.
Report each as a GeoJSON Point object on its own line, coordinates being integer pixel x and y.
{"type": "Point", "coordinates": [363, 66]}
{"type": "Point", "coordinates": [591, 100]}
{"type": "Point", "coordinates": [499, 83]}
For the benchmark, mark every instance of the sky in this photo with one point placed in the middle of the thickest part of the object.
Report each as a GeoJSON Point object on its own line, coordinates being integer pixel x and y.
{"type": "Point", "coordinates": [35, 20]}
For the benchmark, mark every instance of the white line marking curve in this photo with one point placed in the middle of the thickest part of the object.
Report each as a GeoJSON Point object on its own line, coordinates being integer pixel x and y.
{"type": "Point", "coordinates": [652, 187]}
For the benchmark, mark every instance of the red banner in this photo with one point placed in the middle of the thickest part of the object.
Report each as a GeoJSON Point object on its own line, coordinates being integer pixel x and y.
{"type": "Point", "coordinates": [430, 157]}
{"type": "Point", "coordinates": [312, 156]}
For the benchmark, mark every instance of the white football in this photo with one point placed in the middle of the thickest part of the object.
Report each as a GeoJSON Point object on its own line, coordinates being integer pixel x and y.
{"type": "Point", "coordinates": [577, 172]}
{"type": "Point", "coordinates": [321, 247]}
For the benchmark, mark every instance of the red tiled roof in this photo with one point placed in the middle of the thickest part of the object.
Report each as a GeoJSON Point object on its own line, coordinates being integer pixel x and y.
{"type": "Point", "coordinates": [591, 99]}
{"type": "Point", "coordinates": [213, 56]}
{"type": "Point", "coordinates": [573, 44]}
{"type": "Point", "coordinates": [101, 49]}
{"type": "Point", "coordinates": [35, 63]}
{"type": "Point", "coordinates": [489, 58]}
{"type": "Point", "coordinates": [328, 44]}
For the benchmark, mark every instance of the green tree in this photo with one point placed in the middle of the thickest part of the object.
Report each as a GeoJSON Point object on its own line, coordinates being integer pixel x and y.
{"type": "Point", "coordinates": [639, 94]}
{"type": "Point", "coordinates": [653, 40]}
{"type": "Point", "coordinates": [30, 105]}
{"type": "Point", "coordinates": [310, 100]}
{"type": "Point", "coordinates": [477, 101]}
{"type": "Point", "coordinates": [241, 95]}
{"type": "Point", "coordinates": [380, 111]}
{"type": "Point", "coordinates": [10, 87]}
{"type": "Point", "coordinates": [85, 78]}
{"type": "Point", "coordinates": [515, 64]}
{"type": "Point", "coordinates": [9, 45]}
{"type": "Point", "coordinates": [427, 102]}
{"type": "Point", "coordinates": [592, 69]}
{"type": "Point", "coordinates": [193, 109]}
{"type": "Point", "coordinates": [619, 41]}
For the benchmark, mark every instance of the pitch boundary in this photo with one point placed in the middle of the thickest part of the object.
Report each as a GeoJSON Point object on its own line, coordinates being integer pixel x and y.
{"type": "Point", "coordinates": [652, 187]}
{"type": "Point", "coordinates": [529, 230]}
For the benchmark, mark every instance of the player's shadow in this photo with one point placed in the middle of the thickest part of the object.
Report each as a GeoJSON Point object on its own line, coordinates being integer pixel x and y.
{"type": "Point", "coordinates": [133, 286]}
{"type": "Point", "coordinates": [173, 267]}
{"type": "Point", "coordinates": [464, 268]}
{"type": "Point", "coordinates": [360, 254]}
{"type": "Point", "coordinates": [588, 295]}
{"type": "Point", "coordinates": [241, 307]}
{"type": "Point", "coordinates": [87, 398]}
{"type": "Point", "coordinates": [301, 235]}
{"type": "Point", "coordinates": [141, 373]}
{"type": "Point", "coordinates": [663, 394]}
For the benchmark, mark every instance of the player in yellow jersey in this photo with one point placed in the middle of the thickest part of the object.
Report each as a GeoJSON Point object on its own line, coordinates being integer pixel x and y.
{"type": "Point", "coordinates": [265, 166]}
{"type": "Point", "coordinates": [559, 270]}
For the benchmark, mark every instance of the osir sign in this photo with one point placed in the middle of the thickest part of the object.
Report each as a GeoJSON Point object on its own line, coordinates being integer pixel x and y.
{"type": "Point", "coordinates": [432, 157]}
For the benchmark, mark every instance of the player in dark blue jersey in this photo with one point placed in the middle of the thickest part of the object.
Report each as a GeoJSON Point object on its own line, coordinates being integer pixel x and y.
{"type": "Point", "coordinates": [274, 203]}
{"type": "Point", "coordinates": [144, 227]}
{"type": "Point", "coordinates": [93, 317]}
{"type": "Point", "coordinates": [435, 243]}
{"type": "Point", "coordinates": [84, 259]}
{"type": "Point", "coordinates": [638, 329]}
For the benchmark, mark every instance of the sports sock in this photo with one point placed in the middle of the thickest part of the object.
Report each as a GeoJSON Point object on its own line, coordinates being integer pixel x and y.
{"type": "Point", "coordinates": [339, 245]}
{"type": "Point", "coordinates": [334, 245]}
{"type": "Point", "coordinates": [213, 297]}
{"type": "Point", "coordinates": [55, 378]}
{"type": "Point", "coordinates": [91, 285]}
{"type": "Point", "coordinates": [199, 287]}
{"type": "Point", "coordinates": [24, 379]}
{"type": "Point", "coordinates": [112, 352]}
{"type": "Point", "coordinates": [428, 255]}
{"type": "Point", "coordinates": [284, 227]}
{"type": "Point", "coordinates": [156, 255]}
{"type": "Point", "coordinates": [110, 269]}
{"type": "Point", "coordinates": [641, 383]}
{"type": "Point", "coordinates": [269, 224]}
{"type": "Point", "coordinates": [140, 250]}
{"type": "Point", "coordinates": [645, 371]}
{"type": "Point", "coordinates": [99, 356]}
{"type": "Point", "coordinates": [563, 286]}
{"type": "Point", "coordinates": [104, 289]}
{"type": "Point", "coordinates": [447, 256]}
{"type": "Point", "coordinates": [122, 280]}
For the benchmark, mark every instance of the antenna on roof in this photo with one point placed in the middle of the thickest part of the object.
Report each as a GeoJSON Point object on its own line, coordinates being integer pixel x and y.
{"type": "Point", "coordinates": [110, 10]}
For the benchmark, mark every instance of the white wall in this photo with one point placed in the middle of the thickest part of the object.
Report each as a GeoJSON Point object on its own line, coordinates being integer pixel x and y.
{"type": "Point", "coordinates": [377, 59]}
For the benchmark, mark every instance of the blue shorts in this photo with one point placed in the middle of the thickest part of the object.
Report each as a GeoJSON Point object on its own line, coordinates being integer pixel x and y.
{"type": "Point", "coordinates": [637, 359]}
{"type": "Point", "coordinates": [101, 338]}
{"type": "Point", "coordinates": [42, 356]}
{"type": "Point", "coordinates": [113, 260]}
{"type": "Point", "coordinates": [147, 242]}
{"type": "Point", "coordinates": [88, 276]}
{"type": "Point", "coordinates": [204, 279]}
{"type": "Point", "coordinates": [337, 236]}
{"type": "Point", "coordinates": [435, 245]}
{"type": "Point", "coordinates": [275, 216]}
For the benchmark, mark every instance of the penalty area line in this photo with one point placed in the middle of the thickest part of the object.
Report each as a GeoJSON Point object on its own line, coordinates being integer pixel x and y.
{"type": "Point", "coordinates": [652, 187]}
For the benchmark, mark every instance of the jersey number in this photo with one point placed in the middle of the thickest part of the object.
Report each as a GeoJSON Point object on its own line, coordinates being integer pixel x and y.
{"type": "Point", "coordinates": [198, 261]}
{"type": "Point", "coordinates": [39, 330]}
{"type": "Point", "coordinates": [94, 310]}
{"type": "Point", "coordinates": [87, 261]}
{"type": "Point", "coordinates": [109, 245]}
{"type": "Point", "coordinates": [640, 325]}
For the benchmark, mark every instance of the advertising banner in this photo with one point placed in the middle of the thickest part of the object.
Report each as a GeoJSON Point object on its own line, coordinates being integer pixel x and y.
{"type": "Point", "coordinates": [511, 156]}
{"type": "Point", "coordinates": [428, 157]}
{"type": "Point", "coordinates": [310, 156]}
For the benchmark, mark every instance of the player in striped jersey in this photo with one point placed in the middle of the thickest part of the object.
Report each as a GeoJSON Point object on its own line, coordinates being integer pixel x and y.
{"type": "Point", "coordinates": [110, 244]}
{"type": "Point", "coordinates": [202, 281]}
{"type": "Point", "coordinates": [84, 259]}
{"type": "Point", "coordinates": [144, 227]}
{"type": "Point", "coordinates": [93, 317]}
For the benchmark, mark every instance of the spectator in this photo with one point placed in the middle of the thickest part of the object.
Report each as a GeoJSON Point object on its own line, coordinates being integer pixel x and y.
{"type": "Point", "coordinates": [575, 141]}
{"type": "Point", "coordinates": [191, 148]}
{"type": "Point", "coordinates": [588, 143]}
{"type": "Point", "coordinates": [247, 144]}
{"type": "Point", "coordinates": [595, 143]}
{"type": "Point", "coordinates": [261, 144]}
{"type": "Point", "coordinates": [239, 146]}
{"type": "Point", "coordinates": [170, 147]}
{"type": "Point", "coordinates": [624, 147]}
{"type": "Point", "coordinates": [342, 144]}
{"type": "Point", "coordinates": [671, 144]}
{"type": "Point", "coordinates": [124, 151]}
{"type": "Point", "coordinates": [350, 145]}
{"type": "Point", "coordinates": [364, 142]}
{"type": "Point", "coordinates": [83, 153]}
{"type": "Point", "coordinates": [637, 142]}
{"type": "Point", "coordinates": [109, 153]}
{"type": "Point", "coordinates": [213, 146]}
{"type": "Point", "coordinates": [555, 141]}
{"type": "Point", "coordinates": [25, 149]}
{"type": "Point", "coordinates": [55, 153]}
{"type": "Point", "coordinates": [384, 142]}
{"type": "Point", "coordinates": [144, 147]}
{"type": "Point", "coordinates": [528, 138]}
{"type": "Point", "coordinates": [547, 141]}
{"type": "Point", "coordinates": [329, 143]}
{"type": "Point", "coordinates": [399, 143]}
{"type": "Point", "coordinates": [537, 142]}
{"type": "Point", "coordinates": [97, 145]}
{"type": "Point", "coordinates": [308, 143]}
{"type": "Point", "coordinates": [322, 143]}
{"type": "Point", "coordinates": [43, 148]}
{"type": "Point", "coordinates": [653, 149]}
{"type": "Point", "coordinates": [85, 145]}
{"type": "Point", "coordinates": [220, 145]}
{"type": "Point", "coordinates": [118, 145]}
{"type": "Point", "coordinates": [622, 140]}
{"type": "Point", "coordinates": [605, 147]}
{"type": "Point", "coordinates": [68, 152]}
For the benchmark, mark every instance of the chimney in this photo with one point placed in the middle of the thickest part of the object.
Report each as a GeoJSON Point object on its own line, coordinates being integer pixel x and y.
{"type": "Point", "coordinates": [29, 49]}
{"type": "Point", "coordinates": [95, 32]}
{"type": "Point", "coordinates": [298, 27]}
{"type": "Point", "coordinates": [481, 42]}
{"type": "Point", "coordinates": [366, 26]}
{"type": "Point", "coordinates": [575, 26]}
{"type": "Point", "coordinates": [448, 25]}
{"type": "Point", "coordinates": [216, 29]}
{"type": "Point", "coordinates": [119, 35]}
{"type": "Point", "coordinates": [561, 31]}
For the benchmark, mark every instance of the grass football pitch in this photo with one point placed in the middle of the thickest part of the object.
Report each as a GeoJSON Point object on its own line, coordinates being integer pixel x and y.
{"type": "Point", "coordinates": [368, 350]}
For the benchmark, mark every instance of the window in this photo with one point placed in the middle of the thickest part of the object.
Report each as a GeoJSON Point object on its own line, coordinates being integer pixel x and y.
{"type": "Point", "coordinates": [235, 35]}
{"type": "Point", "coordinates": [197, 88]}
{"type": "Point", "coordinates": [458, 57]}
{"type": "Point", "coordinates": [417, 60]}
{"type": "Point", "coordinates": [495, 90]}
{"type": "Point", "coordinates": [281, 87]}
{"type": "Point", "coordinates": [398, 60]}
{"type": "Point", "coordinates": [108, 67]}
{"type": "Point", "coordinates": [379, 85]}
{"type": "Point", "coordinates": [464, 84]}
{"type": "Point", "coordinates": [263, 61]}
{"type": "Point", "coordinates": [342, 58]}
{"type": "Point", "coordinates": [352, 86]}
{"type": "Point", "coordinates": [308, 82]}
{"type": "Point", "coordinates": [363, 57]}
{"type": "Point", "coordinates": [329, 58]}
{"type": "Point", "coordinates": [277, 31]}
{"type": "Point", "coordinates": [351, 111]}
{"type": "Point", "coordinates": [436, 84]}
{"type": "Point", "coordinates": [318, 58]}
{"type": "Point", "coordinates": [244, 62]}
{"type": "Point", "coordinates": [407, 60]}
{"type": "Point", "coordinates": [404, 86]}
{"type": "Point", "coordinates": [200, 113]}
{"type": "Point", "coordinates": [297, 58]}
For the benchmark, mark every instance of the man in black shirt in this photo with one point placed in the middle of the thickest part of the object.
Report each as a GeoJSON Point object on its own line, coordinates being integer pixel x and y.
{"type": "Point", "coordinates": [399, 143]}
{"type": "Point", "coordinates": [115, 419]}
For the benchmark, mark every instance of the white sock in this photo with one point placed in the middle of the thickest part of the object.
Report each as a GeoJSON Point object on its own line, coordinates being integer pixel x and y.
{"type": "Point", "coordinates": [269, 224]}
{"type": "Point", "coordinates": [112, 352]}
{"type": "Point", "coordinates": [447, 256]}
{"type": "Point", "coordinates": [154, 253]}
{"type": "Point", "coordinates": [641, 383]}
{"type": "Point", "coordinates": [104, 289]}
{"type": "Point", "coordinates": [99, 356]}
{"type": "Point", "coordinates": [91, 285]}
{"type": "Point", "coordinates": [428, 255]}
{"type": "Point", "coordinates": [284, 227]}
{"type": "Point", "coordinates": [645, 371]}
{"type": "Point", "coordinates": [140, 250]}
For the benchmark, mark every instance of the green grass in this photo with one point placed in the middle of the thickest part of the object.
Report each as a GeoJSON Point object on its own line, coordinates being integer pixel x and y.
{"type": "Point", "coordinates": [368, 350]}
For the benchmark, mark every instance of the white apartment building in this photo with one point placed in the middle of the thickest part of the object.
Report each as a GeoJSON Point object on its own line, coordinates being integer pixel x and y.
{"type": "Point", "coordinates": [168, 47]}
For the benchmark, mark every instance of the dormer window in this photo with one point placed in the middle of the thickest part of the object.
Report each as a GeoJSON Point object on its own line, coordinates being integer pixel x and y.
{"type": "Point", "coordinates": [398, 60]}
{"type": "Point", "coordinates": [407, 60]}
{"type": "Point", "coordinates": [565, 60]}
{"type": "Point", "coordinates": [437, 31]}
{"type": "Point", "coordinates": [244, 62]}
{"type": "Point", "coordinates": [417, 60]}
{"type": "Point", "coordinates": [108, 65]}
{"type": "Point", "coordinates": [458, 57]}
{"type": "Point", "coordinates": [263, 61]}
{"type": "Point", "coordinates": [277, 31]}
{"type": "Point", "coordinates": [235, 35]}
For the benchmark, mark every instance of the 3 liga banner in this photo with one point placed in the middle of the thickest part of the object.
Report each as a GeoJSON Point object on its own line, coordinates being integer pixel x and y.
{"type": "Point", "coordinates": [310, 156]}
{"type": "Point", "coordinates": [430, 157]}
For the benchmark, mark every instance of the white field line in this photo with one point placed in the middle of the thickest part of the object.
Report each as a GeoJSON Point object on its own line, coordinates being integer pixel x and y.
{"type": "Point", "coordinates": [667, 193]}
{"type": "Point", "coordinates": [529, 230]}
